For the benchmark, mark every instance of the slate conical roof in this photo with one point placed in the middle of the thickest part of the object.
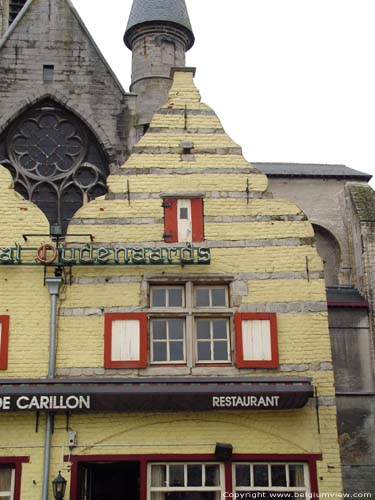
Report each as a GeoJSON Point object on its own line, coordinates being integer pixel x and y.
{"type": "Point", "coordinates": [154, 11]}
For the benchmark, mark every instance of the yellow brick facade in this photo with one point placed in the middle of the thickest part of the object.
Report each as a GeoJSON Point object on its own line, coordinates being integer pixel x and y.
{"type": "Point", "coordinates": [264, 244]}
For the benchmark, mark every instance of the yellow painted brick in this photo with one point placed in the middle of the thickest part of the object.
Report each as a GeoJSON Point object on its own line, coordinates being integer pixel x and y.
{"type": "Point", "coordinates": [21, 216]}
{"type": "Point", "coordinates": [285, 290]}
{"type": "Point", "coordinates": [165, 140]}
{"type": "Point", "coordinates": [97, 295]}
{"type": "Point", "coordinates": [113, 209]}
{"type": "Point", "coordinates": [303, 338]}
{"type": "Point", "coordinates": [230, 207]}
{"type": "Point", "coordinates": [192, 121]}
{"type": "Point", "coordinates": [124, 233]}
{"type": "Point", "coordinates": [258, 230]}
{"type": "Point", "coordinates": [83, 350]}
{"type": "Point", "coordinates": [183, 183]}
{"type": "Point", "coordinates": [147, 160]}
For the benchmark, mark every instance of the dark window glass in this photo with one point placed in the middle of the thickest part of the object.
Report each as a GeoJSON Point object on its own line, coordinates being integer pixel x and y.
{"type": "Point", "coordinates": [220, 329]}
{"type": "Point", "coordinates": [159, 297]}
{"type": "Point", "coordinates": [159, 329]}
{"type": "Point", "coordinates": [212, 475]}
{"type": "Point", "coordinates": [243, 475]}
{"type": "Point", "coordinates": [218, 297]}
{"type": "Point", "coordinates": [260, 475]}
{"type": "Point", "coordinates": [160, 351]}
{"type": "Point", "coordinates": [194, 475]}
{"type": "Point", "coordinates": [278, 475]}
{"type": "Point", "coordinates": [203, 329]}
{"type": "Point", "coordinates": [48, 73]}
{"type": "Point", "coordinates": [184, 213]}
{"type": "Point", "coordinates": [176, 351]}
{"type": "Point", "coordinates": [204, 351]}
{"type": "Point", "coordinates": [176, 475]}
{"type": "Point", "coordinates": [176, 328]}
{"type": "Point", "coordinates": [175, 297]}
{"type": "Point", "coordinates": [220, 351]}
{"type": "Point", "coordinates": [202, 297]}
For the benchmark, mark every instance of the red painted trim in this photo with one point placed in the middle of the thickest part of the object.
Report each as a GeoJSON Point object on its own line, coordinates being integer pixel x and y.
{"type": "Point", "coordinates": [143, 479]}
{"type": "Point", "coordinates": [349, 304]}
{"type": "Point", "coordinates": [108, 319]}
{"type": "Point", "coordinates": [170, 220]}
{"type": "Point", "coordinates": [197, 219]}
{"type": "Point", "coordinates": [313, 479]}
{"type": "Point", "coordinates": [163, 457]}
{"type": "Point", "coordinates": [4, 342]}
{"type": "Point", "coordinates": [242, 363]}
{"type": "Point", "coordinates": [16, 463]}
{"type": "Point", "coordinates": [228, 477]}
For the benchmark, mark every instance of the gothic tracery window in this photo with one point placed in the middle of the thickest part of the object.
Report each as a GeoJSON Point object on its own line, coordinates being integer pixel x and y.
{"type": "Point", "coordinates": [55, 160]}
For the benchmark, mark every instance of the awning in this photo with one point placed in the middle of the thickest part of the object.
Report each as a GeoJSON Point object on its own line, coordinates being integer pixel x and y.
{"type": "Point", "coordinates": [155, 394]}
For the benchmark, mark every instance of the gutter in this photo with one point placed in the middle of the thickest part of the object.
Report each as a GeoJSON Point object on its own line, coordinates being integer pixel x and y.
{"type": "Point", "coordinates": [53, 284]}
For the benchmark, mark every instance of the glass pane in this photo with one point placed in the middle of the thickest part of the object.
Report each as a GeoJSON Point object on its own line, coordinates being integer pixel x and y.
{"type": "Point", "coordinates": [278, 475]}
{"type": "Point", "coordinates": [212, 475]}
{"type": "Point", "coordinates": [203, 328]}
{"type": "Point", "coordinates": [194, 475]}
{"type": "Point", "coordinates": [202, 297]}
{"type": "Point", "coordinates": [220, 329]}
{"type": "Point", "coordinates": [219, 297]}
{"type": "Point", "coordinates": [160, 351]}
{"type": "Point", "coordinates": [175, 297]}
{"type": "Point", "coordinates": [5, 480]}
{"type": "Point", "coordinates": [220, 351]}
{"type": "Point", "coordinates": [176, 475]}
{"type": "Point", "coordinates": [159, 329]}
{"type": "Point", "coordinates": [159, 297]}
{"type": "Point", "coordinates": [242, 475]}
{"type": "Point", "coordinates": [296, 475]}
{"type": "Point", "coordinates": [260, 475]}
{"type": "Point", "coordinates": [204, 351]}
{"type": "Point", "coordinates": [176, 351]}
{"type": "Point", "coordinates": [158, 475]}
{"type": "Point", "coordinates": [176, 329]}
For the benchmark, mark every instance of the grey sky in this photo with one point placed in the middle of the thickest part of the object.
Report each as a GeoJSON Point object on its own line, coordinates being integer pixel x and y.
{"type": "Point", "coordinates": [291, 80]}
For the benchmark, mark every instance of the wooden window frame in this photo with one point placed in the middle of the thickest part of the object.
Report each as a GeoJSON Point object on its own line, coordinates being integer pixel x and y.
{"type": "Point", "coordinates": [108, 320]}
{"type": "Point", "coordinates": [167, 341]}
{"type": "Point", "coordinates": [145, 459]}
{"type": "Point", "coordinates": [171, 219]}
{"type": "Point", "coordinates": [240, 361]}
{"type": "Point", "coordinates": [4, 342]}
{"type": "Point", "coordinates": [15, 463]}
{"type": "Point", "coordinates": [211, 340]}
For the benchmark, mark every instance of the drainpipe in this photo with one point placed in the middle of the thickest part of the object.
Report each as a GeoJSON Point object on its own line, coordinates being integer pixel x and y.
{"type": "Point", "coordinates": [53, 284]}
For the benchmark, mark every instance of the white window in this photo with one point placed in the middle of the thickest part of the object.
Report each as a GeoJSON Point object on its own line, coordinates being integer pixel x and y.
{"type": "Point", "coordinates": [291, 479]}
{"type": "Point", "coordinates": [184, 220]}
{"type": "Point", "coordinates": [185, 481]}
{"type": "Point", "coordinates": [6, 483]}
{"type": "Point", "coordinates": [125, 340]}
{"type": "Point", "coordinates": [256, 338]}
{"type": "Point", "coordinates": [189, 324]}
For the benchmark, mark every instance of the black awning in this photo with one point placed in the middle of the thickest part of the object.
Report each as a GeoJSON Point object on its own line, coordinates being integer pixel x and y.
{"type": "Point", "coordinates": [172, 394]}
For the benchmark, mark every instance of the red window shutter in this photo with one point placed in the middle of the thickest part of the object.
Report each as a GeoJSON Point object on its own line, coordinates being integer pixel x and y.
{"type": "Point", "coordinates": [170, 220]}
{"type": "Point", "coordinates": [241, 362]}
{"type": "Point", "coordinates": [4, 339]}
{"type": "Point", "coordinates": [197, 219]}
{"type": "Point", "coordinates": [138, 361]}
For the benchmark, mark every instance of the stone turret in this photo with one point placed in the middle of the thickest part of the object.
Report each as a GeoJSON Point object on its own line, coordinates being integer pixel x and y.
{"type": "Point", "coordinates": [158, 33]}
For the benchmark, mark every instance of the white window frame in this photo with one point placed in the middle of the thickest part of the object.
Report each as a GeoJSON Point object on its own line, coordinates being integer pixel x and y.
{"type": "Point", "coordinates": [10, 493]}
{"type": "Point", "coordinates": [167, 341]}
{"type": "Point", "coordinates": [190, 312]}
{"type": "Point", "coordinates": [212, 287]}
{"type": "Point", "coordinates": [211, 340]}
{"type": "Point", "coordinates": [287, 489]}
{"type": "Point", "coordinates": [171, 489]}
